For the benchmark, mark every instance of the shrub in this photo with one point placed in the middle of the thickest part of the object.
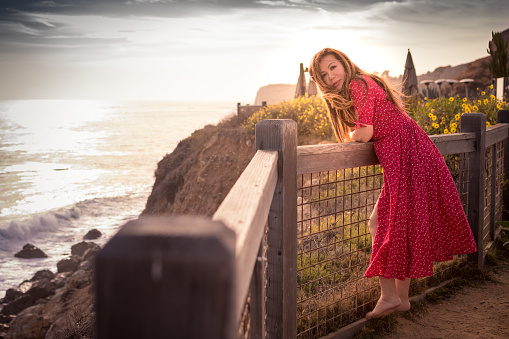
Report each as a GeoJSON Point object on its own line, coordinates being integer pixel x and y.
{"type": "Point", "coordinates": [309, 112]}
{"type": "Point", "coordinates": [443, 115]}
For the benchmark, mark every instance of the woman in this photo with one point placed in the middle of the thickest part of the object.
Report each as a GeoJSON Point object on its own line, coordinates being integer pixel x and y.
{"type": "Point", "coordinates": [418, 218]}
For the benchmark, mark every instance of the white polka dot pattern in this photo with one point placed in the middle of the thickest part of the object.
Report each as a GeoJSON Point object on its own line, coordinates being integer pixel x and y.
{"type": "Point", "coordinates": [420, 216]}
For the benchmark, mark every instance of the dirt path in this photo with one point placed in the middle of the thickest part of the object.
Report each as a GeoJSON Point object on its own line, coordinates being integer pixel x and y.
{"type": "Point", "coordinates": [473, 312]}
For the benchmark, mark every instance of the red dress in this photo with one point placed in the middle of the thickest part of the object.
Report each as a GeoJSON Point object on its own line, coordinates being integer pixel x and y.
{"type": "Point", "coordinates": [420, 216]}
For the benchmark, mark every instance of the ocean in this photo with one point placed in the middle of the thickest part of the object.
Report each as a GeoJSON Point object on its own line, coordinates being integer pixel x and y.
{"type": "Point", "coordinates": [69, 166]}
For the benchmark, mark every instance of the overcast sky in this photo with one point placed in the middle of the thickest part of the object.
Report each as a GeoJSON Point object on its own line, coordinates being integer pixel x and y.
{"type": "Point", "coordinates": [223, 49]}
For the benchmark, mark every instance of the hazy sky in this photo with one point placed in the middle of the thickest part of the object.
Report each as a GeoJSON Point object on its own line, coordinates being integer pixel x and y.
{"type": "Point", "coordinates": [223, 49]}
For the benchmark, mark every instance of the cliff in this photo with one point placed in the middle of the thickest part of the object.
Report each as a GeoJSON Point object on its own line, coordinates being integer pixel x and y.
{"type": "Point", "coordinates": [197, 175]}
{"type": "Point", "coordinates": [273, 94]}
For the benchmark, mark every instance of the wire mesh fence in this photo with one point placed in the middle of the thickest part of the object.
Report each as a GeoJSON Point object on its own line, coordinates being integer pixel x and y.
{"type": "Point", "coordinates": [334, 245]}
{"type": "Point", "coordinates": [500, 179]}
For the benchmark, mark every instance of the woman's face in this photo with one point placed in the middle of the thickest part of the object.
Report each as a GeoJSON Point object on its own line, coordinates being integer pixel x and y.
{"type": "Point", "coordinates": [332, 71]}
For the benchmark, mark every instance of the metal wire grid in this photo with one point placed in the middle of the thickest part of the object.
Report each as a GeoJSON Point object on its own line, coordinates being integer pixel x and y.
{"type": "Point", "coordinates": [487, 194]}
{"type": "Point", "coordinates": [244, 329]}
{"type": "Point", "coordinates": [335, 245]}
{"type": "Point", "coordinates": [500, 182]}
{"type": "Point", "coordinates": [334, 248]}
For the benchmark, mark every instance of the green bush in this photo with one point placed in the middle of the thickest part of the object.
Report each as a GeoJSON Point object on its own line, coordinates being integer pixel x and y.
{"type": "Point", "coordinates": [443, 115]}
{"type": "Point", "coordinates": [309, 112]}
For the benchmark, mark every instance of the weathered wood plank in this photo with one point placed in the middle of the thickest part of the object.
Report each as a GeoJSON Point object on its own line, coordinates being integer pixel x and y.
{"type": "Point", "coordinates": [330, 157]}
{"type": "Point", "coordinates": [454, 143]}
{"type": "Point", "coordinates": [493, 202]}
{"type": "Point", "coordinates": [476, 123]}
{"type": "Point", "coordinates": [503, 118]}
{"type": "Point", "coordinates": [245, 210]}
{"type": "Point", "coordinates": [496, 133]}
{"type": "Point", "coordinates": [281, 291]}
{"type": "Point", "coordinates": [167, 277]}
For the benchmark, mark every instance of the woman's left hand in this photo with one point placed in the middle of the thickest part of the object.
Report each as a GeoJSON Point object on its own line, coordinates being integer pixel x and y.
{"type": "Point", "coordinates": [362, 134]}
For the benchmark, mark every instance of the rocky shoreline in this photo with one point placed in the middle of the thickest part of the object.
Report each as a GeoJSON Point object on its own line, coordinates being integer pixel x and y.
{"type": "Point", "coordinates": [193, 179]}
{"type": "Point", "coordinates": [44, 306]}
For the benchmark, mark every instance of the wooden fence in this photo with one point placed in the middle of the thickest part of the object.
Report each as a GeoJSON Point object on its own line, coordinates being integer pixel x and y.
{"type": "Point", "coordinates": [243, 273]}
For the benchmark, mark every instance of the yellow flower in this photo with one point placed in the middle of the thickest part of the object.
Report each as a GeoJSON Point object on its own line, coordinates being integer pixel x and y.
{"type": "Point", "coordinates": [453, 125]}
{"type": "Point", "coordinates": [464, 99]}
{"type": "Point", "coordinates": [434, 118]}
{"type": "Point", "coordinates": [453, 129]}
{"type": "Point", "coordinates": [457, 117]}
{"type": "Point", "coordinates": [451, 99]}
{"type": "Point", "coordinates": [430, 115]}
{"type": "Point", "coordinates": [432, 110]}
{"type": "Point", "coordinates": [464, 105]}
{"type": "Point", "coordinates": [487, 124]}
{"type": "Point", "coordinates": [446, 131]}
{"type": "Point", "coordinates": [483, 93]}
{"type": "Point", "coordinates": [435, 125]}
{"type": "Point", "coordinates": [491, 86]}
{"type": "Point", "coordinates": [492, 97]}
{"type": "Point", "coordinates": [475, 108]}
{"type": "Point", "coordinates": [425, 98]}
{"type": "Point", "coordinates": [479, 102]}
{"type": "Point", "coordinates": [499, 105]}
{"type": "Point", "coordinates": [486, 101]}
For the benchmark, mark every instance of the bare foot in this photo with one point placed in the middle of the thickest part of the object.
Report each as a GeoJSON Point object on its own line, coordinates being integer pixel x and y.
{"type": "Point", "coordinates": [405, 306]}
{"type": "Point", "coordinates": [383, 308]}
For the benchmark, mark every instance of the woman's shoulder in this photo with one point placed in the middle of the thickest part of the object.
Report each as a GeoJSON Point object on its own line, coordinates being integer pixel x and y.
{"type": "Point", "coordinates": [362, 82]}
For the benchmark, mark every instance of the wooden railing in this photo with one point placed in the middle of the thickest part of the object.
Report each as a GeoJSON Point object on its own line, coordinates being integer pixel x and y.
{"type": "Point", "coordinates": [190, 277]}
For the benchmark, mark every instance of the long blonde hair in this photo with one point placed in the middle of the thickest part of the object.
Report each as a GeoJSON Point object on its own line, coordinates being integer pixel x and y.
{"type": "Point", "coordinates": [339, 103]}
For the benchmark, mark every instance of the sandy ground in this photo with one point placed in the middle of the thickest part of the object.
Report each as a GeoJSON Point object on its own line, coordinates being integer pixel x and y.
{"type": "Point", "coordinates": [474, 312]}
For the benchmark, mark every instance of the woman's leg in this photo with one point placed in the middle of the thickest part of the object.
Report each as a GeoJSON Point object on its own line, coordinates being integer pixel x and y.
{"type": "Point", "coordinates": [389, 301]}
{"type": "Point", "coordinates": [372, 223]}
{"type": "Point", "coordinates": [402, 288]}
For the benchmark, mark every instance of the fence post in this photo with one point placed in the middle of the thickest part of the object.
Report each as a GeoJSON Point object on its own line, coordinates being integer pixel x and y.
{"type": "Point", "coordinates": [503, 117]}
{"type": "Point", "coordinates": [476, 123]}
{"type": "Point", "coordinates": [281, 135]}
{"type": "Point", "coordinates": [493, 199]}
{"type": "Point", "coordinates": [167, 277]}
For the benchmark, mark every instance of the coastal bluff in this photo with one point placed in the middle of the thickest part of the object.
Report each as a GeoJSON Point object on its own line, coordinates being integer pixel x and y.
{"type": "Point", "coordinates": [196, 177]}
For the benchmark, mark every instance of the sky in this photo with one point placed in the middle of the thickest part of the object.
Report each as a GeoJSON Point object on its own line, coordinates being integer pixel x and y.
{"type": "Point", "coordinates": [223, 49]}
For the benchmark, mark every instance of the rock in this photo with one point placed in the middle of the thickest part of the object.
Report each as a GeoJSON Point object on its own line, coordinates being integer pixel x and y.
{"type": "Point", "coordinates": [25, 286]}
{"type": "Point", "coordinates": [17, 305]}
{"type": "Point", "coordinates": [29, 251]}
{"type": "Point", "coordinates": [11, 294]}
{"type": "Point", "coordinates": [67, 295]}
{"type": "Point", "coordinates": [5, 319]}
{"type": "Point", "coordinates": [92, 234]}
{"type": "Point", "coordinates": [30, 326]}
{"type": "Point", "coordinates": [67, 265]}
{"type": "Point", "coordinates": [79, 280]}
{"type": "Point", "coordinates": [80, 249]}
{"type": "Point", "coordinates": [41, 289]}
{"type": "Point", "coordinates": [44, 274]}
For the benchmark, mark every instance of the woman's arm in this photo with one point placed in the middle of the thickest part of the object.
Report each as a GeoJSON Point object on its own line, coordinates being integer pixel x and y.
{"type": "Point", "coordinates": [362, 134]}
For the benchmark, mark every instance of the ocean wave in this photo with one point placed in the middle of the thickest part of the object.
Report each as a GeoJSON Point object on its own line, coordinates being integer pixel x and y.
{"type": "Point", "coordinates": [26, 230]}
